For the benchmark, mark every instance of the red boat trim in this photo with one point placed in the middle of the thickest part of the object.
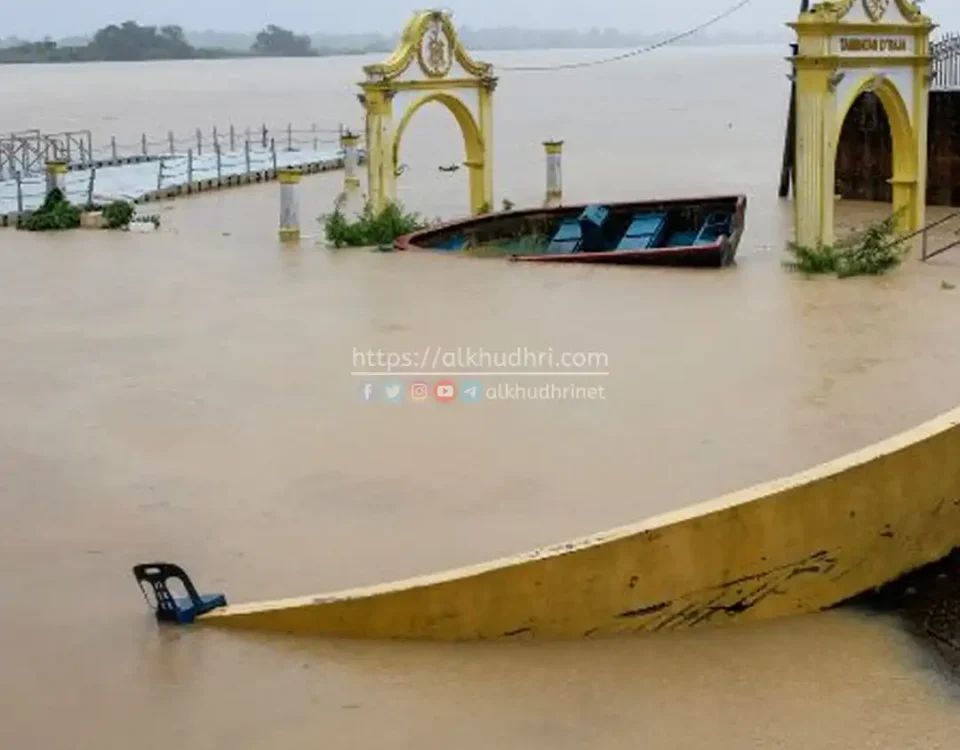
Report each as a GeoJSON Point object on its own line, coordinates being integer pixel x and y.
{"type": "Point", "coordinates": [671, 252]}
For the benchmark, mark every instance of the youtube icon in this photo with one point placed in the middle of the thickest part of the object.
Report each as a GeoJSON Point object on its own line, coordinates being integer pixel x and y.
{"type": "Point", "coordinates": [445, 391]}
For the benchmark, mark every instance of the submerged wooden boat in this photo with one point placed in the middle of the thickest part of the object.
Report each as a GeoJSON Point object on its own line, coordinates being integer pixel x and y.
{"type": "Point", "coordinates": [681, 232]}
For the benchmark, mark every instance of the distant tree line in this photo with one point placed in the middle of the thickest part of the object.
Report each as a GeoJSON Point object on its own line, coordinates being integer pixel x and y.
{"type": "Point", "coordinates": [131, 42]}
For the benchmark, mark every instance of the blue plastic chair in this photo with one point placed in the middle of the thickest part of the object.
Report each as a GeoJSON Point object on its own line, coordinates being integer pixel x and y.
{"type": "Point", "coordinates": [181, 610]}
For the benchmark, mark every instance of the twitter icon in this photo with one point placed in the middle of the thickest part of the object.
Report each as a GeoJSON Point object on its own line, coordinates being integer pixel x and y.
{"type": "Point", "coordinates": [393, 392]}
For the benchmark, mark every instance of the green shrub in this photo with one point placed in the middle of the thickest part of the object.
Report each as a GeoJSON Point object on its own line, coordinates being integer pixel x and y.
{"type": "Point", "coordinates": [55, 214]}
{"type": "Point", "coordinates": [370, 227]}
{"type": "Point", "coordinates": [118, 214]}
{"type": "Point", "coordinates": [810, 260]}
{"type": "Point", "coordinates": [872, 251]}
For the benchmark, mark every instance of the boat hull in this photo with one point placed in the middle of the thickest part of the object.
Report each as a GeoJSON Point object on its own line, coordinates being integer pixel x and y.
{"type": "Point", "coordinates": [664, 245]}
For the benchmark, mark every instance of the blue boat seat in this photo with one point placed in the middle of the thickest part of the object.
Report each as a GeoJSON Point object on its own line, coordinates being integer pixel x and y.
{"type": "Point", "coordinates": [452, 244]}
{"type": "Point", "coordinates": [592, 220]}
{"type": "Point", "coordinates": [644, 231]}
{"type": "Point", "coordinates": [169, 608]}
{"type": "Point", "coordinates": [566, 239]}
{"type": "Point", "coordinates": [717, 224]}
{"type": "Point", "coordinates": [681, 239]}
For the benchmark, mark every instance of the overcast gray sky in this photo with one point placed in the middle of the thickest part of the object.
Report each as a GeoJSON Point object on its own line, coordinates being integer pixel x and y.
{"type": "Point", "coordinates": [57, 18]}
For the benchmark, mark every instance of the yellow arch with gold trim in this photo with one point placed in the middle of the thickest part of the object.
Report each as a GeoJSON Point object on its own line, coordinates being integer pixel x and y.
{"type": "Point", "coordinates": [472, 140]}
{"type": "Point", "coordinates": [902, 135]}
{"type": "Point", "coordinates": [830, 72]}
{"type": "Point", "coordinates": [430, 60]}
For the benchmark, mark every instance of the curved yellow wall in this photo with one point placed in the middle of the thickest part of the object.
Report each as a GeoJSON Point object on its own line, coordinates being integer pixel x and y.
{"type": "Point", "coordinates": [794, 545]}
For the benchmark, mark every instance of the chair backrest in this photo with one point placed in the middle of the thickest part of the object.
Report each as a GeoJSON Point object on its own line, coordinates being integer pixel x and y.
{"type": "Point", "coordinates": [157, 575]}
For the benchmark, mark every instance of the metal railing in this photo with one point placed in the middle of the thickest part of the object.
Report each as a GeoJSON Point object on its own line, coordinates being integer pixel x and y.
{"type": "Point", "coordinates": [945, 64]}
{"type": "Point", "coordinates": [247, 161]}
{"type": "Point", "coordinates": [26, 152]}
{"type": "Point", "coordinates": [925, 252]}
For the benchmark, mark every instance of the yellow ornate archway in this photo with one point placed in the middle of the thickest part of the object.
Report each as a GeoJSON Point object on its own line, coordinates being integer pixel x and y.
{"type": "Point", "coordinates": [847, 47]}
{"type": "Point", "coordinates": [429, 65]}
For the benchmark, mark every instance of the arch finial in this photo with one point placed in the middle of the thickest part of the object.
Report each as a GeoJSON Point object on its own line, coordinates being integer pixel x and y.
{"type": "Point", "coordinates": [430, 39]}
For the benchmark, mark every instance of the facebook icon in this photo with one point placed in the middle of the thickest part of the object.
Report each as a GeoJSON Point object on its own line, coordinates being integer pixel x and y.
{"type": "Point", "coordinates": [367, 391]}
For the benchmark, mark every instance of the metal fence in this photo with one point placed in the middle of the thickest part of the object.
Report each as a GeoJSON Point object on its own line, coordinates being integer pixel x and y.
{"type": "Point", "coordinates": [203, 165]}
{"type": "Point", "coordinates": [26, 152]}
{"type": "Point", "coordinates": [946, 63]}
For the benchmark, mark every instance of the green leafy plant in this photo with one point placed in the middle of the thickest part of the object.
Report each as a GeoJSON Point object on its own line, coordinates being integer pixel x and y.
{"type": "Point", "coordinates": [56, 214]}
{"type": "Point", "coordinates": [118, 214]}
{"type": "Point", "coordinates": [874, 251]}
{"type": "Point", "coordinates": [370, 227]}
{"type": "Point", "coordinates": [871, 251]}
{"type": "Point", "coordinates": [810, 260]}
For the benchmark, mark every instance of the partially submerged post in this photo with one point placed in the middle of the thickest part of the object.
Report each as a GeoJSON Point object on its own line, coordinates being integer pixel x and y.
{"type": "Point", "coordinates": [57, 176]}
{"type": "Point", "coordinates": [90, 185]}
{"type": "Point", "coordinates": [289, 205]}
{"type": "Point", "coordinates": [554, 151]}
{"type": "Point", "coordinates": [350, 142]}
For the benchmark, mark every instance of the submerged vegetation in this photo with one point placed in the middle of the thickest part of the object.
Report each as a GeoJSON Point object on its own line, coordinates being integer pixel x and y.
{"type": "Point", "coordinates": [118, 214]}
{"type": "Point", "coordinates": [56, 213]}
{"type": "Point", "coordinates": [370, 227]}
{"type": "Point", "coordinates": [871, 251]}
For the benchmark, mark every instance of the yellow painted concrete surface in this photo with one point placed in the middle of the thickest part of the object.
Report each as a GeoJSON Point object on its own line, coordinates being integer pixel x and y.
{"type": "Point", "coordinates": [790, 546]}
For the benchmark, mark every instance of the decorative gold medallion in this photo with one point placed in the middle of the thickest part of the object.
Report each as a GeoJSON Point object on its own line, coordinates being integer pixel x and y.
{"type": "Point", "coordinates": [876, 8]}
{"type": "Point", "coordinates": [436, 50]}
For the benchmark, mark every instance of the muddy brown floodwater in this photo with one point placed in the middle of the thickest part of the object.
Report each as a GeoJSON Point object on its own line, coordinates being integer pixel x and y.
{"type": "Point", "coordinates": [187, 395]}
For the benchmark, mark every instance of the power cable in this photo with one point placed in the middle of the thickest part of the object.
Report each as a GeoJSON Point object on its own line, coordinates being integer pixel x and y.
{"type": "Point", "coordinates": [632, 53]}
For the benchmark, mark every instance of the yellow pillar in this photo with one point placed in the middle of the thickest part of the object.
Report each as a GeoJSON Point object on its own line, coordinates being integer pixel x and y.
{"type": "Point", "coordinates": [486, 133]}
{"type": "Point", "coordinates": [554, 193]}
{"type": "Point", "coordinates": [289, 205]}
{"type": "Point", "coordinates": [56, 176]}
{"type": "Point", "coordinates": [381, 178]}
{"type": "Point", "coordinates": [350, 143]}
{"type": "Point", "coordinates": [813, 197]}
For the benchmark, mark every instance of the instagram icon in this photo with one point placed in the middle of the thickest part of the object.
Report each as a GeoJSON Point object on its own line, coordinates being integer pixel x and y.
{"type": "Point", "coordinates": [419, 392]}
